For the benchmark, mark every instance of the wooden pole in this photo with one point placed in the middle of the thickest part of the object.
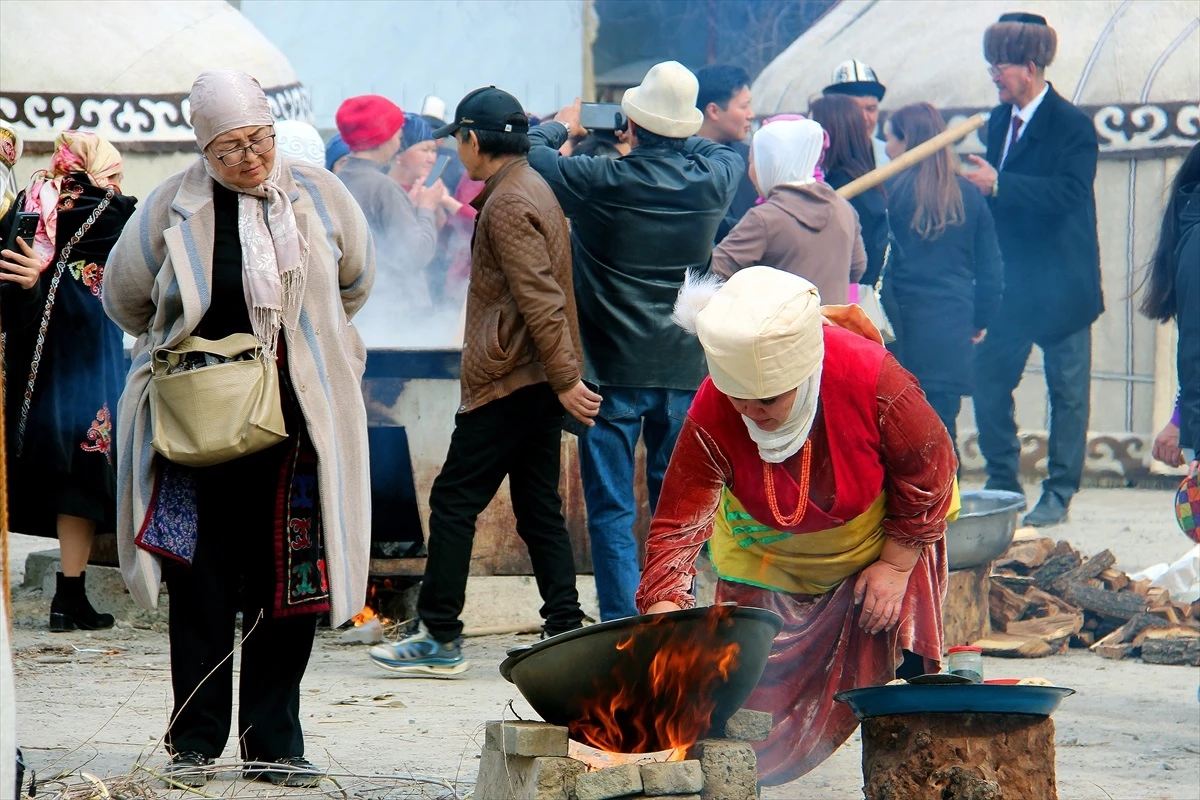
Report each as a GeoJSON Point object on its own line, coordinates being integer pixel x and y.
{"type": "Point", "coordinates": [914, 156]}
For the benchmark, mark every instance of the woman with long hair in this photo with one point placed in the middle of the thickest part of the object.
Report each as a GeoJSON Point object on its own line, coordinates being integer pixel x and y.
{"type": "Point", "coordinates": [64, 364]}
{"type": "Point", "coordinates": [945, 275]}
{"type": "Point", "coordinates": [850, 156]}
{"type": "Point", "coordinates": [1172, 288]}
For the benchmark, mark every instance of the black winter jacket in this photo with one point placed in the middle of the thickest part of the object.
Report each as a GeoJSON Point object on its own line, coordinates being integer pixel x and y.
{"type": "Point", "coordinates": [1187, 304]}
{"type": "Point", "coordinates": [638, 225]}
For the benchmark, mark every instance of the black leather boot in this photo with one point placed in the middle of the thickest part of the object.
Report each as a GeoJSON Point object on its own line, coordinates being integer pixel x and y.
{"type": "Point", "coordinates": [70, 609]}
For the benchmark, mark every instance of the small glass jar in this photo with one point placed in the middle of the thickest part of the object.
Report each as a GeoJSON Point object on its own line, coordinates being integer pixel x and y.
{"type": "Point", "coordinates": [967, 662]}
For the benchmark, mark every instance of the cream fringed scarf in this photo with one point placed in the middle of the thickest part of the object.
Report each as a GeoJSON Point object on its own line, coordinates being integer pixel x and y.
{"type": "Point", "coordinates": [273, 252]}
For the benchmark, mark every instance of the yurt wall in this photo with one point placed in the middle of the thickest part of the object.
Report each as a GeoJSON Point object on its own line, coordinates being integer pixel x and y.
{"type": "Point", "coordinates": [131, 85]}
{"type": "Point", "coordinates": [1135, 68]}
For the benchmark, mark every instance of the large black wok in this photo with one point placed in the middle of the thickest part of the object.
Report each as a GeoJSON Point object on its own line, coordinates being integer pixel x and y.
{"type": "Point", "coordinates": [564, 675]}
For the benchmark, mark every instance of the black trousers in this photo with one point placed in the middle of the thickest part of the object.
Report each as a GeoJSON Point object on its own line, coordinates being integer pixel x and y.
{"type": "Point", "coordinates": [234, 569]}
{"type": "Point", "coordinates": [999, 362]}
{"type": "Point", "coordinates": [519, 436]}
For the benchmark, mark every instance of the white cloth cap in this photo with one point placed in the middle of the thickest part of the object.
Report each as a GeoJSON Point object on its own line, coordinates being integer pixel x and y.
{"type": "Point", "coordinates": [665, 103]}
{"type": "Point", "coordinates": [786, 153]}
{"type": "Point", "coordinates": [761, 333]}
{"type": "Point", "coordinates": [300, 141]}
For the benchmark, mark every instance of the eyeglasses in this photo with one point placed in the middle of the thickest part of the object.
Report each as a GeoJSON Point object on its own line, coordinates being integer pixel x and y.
{"type": "Point", "coordinates": [995, 70]}
{"type": "Point", "coordinates": [260, 147]}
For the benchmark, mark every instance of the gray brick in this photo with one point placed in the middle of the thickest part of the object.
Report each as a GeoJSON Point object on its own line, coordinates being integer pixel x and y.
{"type": "Point", "coordinates": [730, 769]}
{"type": "Point", "coordinates": [519, 778]}
{"type": "Point", "coordinates": [529, 739]}
{"type": "Point", "coordinates": [749, 726]}
{"type": "Point", "coordinates": [672, 778]}
{"type": "Point", "coordinates": [606, 784]}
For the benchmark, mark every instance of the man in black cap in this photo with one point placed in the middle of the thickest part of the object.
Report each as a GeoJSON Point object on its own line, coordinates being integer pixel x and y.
{"type": "Point", "coordinates": [522, 364]}
{"type": "Point", "coordinates": [1038, 176]}
{"type": "Point", "coordinates": [857, 80]}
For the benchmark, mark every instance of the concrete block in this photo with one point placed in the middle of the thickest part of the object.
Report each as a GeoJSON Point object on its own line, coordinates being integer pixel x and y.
{"type": "Point", "coordinates": [672, 778]}
{"type": "Point", "coordinates": [519, 778]}
{"type": "Point", "coordinates": [749, 726]}
{"type": "Point", "coordinates": [531, 739]}
{"type": "Point", "coordinates": [730, 769]}
{"type": "Point", "coordinates": [606, 784]}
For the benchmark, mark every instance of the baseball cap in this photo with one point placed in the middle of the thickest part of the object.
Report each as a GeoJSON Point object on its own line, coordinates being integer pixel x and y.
{"type": "Point", "coordinates": [487, 109]}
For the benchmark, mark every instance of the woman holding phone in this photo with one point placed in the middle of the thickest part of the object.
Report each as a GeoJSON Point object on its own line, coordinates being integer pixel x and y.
{"type": "Point", "coordinates": [64, 361]}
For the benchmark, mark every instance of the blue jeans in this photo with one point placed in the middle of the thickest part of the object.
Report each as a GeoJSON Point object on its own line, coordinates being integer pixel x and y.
{"type": "Point", "coordinates": [606, 465]}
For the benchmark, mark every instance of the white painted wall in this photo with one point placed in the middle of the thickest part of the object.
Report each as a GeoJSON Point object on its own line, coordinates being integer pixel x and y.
{"type": "Point", "coordinates": [406, 49]}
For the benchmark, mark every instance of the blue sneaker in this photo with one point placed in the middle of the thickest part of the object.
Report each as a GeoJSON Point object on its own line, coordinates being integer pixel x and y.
{"type": "Point", "coordinates": [418, 653]}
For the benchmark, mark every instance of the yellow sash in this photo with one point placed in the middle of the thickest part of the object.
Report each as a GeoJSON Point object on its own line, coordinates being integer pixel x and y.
{"type": "Point", "coordinates": [744, 551]}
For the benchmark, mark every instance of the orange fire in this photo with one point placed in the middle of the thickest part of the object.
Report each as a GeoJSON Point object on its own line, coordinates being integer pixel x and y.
{"type": "Point", "coordinates": [670, 706]}
{"type": "Point", "coordinates": [369, 611]}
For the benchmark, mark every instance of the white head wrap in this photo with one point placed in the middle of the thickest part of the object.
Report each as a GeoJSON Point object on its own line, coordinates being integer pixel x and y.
{"type": "Point", "coordinates": [300, 141]}
{"type": "Point", "coordinates": [762, 336]}
{"type": "Point", "coordinates": [786, 153]}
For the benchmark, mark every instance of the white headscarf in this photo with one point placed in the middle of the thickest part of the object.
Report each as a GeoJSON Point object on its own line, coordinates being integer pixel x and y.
{"type": "Point", "coordinates": [273, 252]}
{"type": "Point", "coordinates": [300, 141]}
{"type": "Point", "coordinates": [786, 153]}
{"type": "Point", "coordinates": [762, 337]}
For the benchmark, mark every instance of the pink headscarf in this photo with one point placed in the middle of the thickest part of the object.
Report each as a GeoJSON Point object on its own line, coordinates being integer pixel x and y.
{"type": "Point", "coordinates": [74, 151]}
{"type": "Point", "coordinates": [273, 251]}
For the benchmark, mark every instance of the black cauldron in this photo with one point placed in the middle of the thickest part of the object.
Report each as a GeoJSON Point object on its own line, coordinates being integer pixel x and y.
{"type": "Point", "coordinates": [559, 675]}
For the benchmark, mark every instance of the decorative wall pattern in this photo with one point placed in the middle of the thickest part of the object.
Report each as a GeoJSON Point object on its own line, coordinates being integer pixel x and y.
{"type": "Point", "coordinates": [161, 120]}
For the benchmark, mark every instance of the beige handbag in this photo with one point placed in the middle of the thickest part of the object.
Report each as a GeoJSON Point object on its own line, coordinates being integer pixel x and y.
{"type": "Point", "coordinates": [868, 301]}
{"type": "Point", "coordinates": [214, 401]}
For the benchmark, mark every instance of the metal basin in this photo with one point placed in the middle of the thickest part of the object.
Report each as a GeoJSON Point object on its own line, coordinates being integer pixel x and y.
{"type": "Point", "coordinates": [984, 528]}
{"type": "Point", "coordinates": [559, 674]}
{"type": "Point", "coordinates": [882, 701]}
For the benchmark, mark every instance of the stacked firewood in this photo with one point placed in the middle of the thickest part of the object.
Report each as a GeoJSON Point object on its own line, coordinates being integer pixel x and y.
{"type": "Point", "coordinates": [1046, 597]}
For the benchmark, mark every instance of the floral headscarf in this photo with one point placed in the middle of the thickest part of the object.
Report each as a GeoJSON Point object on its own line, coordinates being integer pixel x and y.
{"type": "Point", "coordinates": [74, 151]}
{"type": "Point", "coordinates": [10, 151]}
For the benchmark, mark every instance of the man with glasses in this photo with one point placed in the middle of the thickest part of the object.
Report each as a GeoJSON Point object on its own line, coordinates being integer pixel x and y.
{"type": "Point", "coordinates": [1038, 176]}
{"type": "Point", "coordinates": [403, 224]}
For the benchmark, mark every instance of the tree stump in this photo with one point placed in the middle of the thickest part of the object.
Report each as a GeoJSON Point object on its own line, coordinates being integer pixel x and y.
{"type": "Point", "coordinates": [966, 612]}
{"type": "Point", "coordinates": [959, 757]}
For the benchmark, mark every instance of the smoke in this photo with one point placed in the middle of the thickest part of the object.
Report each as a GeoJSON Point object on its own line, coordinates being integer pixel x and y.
{"type": "Point", "coordinates": [432, 328]}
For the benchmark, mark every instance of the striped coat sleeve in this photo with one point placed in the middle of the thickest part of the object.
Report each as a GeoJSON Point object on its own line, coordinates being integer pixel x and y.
{"type": "Point", "coordinates": [356, 267]}
{"type": "Point", "coordinates": [133, 266]}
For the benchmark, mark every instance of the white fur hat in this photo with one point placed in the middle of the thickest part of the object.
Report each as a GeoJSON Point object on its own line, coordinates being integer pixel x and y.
{"type": "Point", "coordinates": [761, 330]}
{"type": "Point", "coordinates": [665, 103]}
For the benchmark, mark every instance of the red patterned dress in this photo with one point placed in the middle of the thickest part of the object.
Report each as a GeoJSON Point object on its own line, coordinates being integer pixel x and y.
{"type": "Point", "coordinates": [881, 465]}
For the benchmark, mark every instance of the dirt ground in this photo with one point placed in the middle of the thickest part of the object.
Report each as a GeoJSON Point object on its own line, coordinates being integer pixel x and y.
{"type": "Point", "coordinates": [1132, 731]}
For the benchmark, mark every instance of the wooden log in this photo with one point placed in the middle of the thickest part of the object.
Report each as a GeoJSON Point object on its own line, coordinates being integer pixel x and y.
{"type": "Point", "coordinates": [976, 756]}
{"type": "Point", "coordinates": [1083, 639]}
{"type": "Point", "coordinates": [1006, 606]}
{"type": "Point", "coordinates": [1056, 565]}
{"type": "Point", "coordinates": [1128, 632]}
{"type": "Point", "coordinates": [1194, 609]}
{"type": "Point", "coordinates": [1140, 587]}
{"type": "Point", "coordinates": [1055, 631]}
{"type": "Point", "coordinates": [1018, 583]}
{"type": "Point", "coordinates": [1158, 596]}
{"type": "Point", "coordinates": [1167, 612]}
{"type": "Point", "coordinates": [1007, 645]}
{"type": "Point", "coordinates": [1119, 605]}
{"type": "Point", "coordinates": [1025, 557]}
{"type": "Point", "coordinates": [1086, 571]}
{"type": "Point", "coordinates": [965, 615]}
{"type": "Point", "coordinates": [1182, 650]}
{"type": "Point", "coordinates": [1114, 652]}
{"type": "Point", "coordinates": [1114, 579]}
{"type": "Point", "coordinates": [913, 156]}
{"type": "Point", "coordinates": [1044, 604]}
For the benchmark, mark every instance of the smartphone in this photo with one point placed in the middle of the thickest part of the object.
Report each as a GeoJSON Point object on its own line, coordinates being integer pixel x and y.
{"type": "Point", "coordinates": [439, 167]}
{"type": "Point", "coordinates": [602, 117]}
{"type": "Point", "coordinates": [574, 426]}
{"type": "Point", "coordinates": [24, 227]}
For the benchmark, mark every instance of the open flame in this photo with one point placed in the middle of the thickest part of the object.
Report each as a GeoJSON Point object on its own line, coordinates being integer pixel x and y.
{"type": "Point", "coordinates": [670, 706]}
{"type": "Point", "coordinates": [370, 610]}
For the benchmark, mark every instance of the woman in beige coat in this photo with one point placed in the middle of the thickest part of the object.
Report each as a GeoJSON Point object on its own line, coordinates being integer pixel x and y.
{"type": "Point", "coordinates": [246, 241]}
{"type": "Point", "coordinates": [803, 227]}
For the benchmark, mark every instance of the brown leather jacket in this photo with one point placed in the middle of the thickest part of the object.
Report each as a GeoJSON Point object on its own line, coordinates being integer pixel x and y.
{"type": "Point", "coordinates": [521, 324]}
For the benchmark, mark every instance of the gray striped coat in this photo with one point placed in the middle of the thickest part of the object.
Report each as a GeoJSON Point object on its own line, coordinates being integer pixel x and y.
{"type": "Point", "coordinates": [157, 287]}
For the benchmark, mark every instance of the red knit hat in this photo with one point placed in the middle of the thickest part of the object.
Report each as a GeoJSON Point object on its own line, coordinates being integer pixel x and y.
{"type": "Point", "coordinates": [367, 121]}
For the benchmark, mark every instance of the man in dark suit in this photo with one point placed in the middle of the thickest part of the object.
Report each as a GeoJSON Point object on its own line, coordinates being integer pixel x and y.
{"type": "Point", "coordinates": [1038, 177]}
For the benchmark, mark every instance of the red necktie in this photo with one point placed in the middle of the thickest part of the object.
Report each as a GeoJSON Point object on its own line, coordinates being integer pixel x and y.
{"type": "Point", "coordinates": [1016, 132]}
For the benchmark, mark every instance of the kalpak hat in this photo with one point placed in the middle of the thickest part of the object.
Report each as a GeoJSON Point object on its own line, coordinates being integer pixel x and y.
{"type": "Point", "coordinates": [367, 121]}
{"type": "Point", "coordinates": [487, 109]}
{"type": "Point", "coordinates": [665, 102]}
{"type": "Point", "coordinates": [855, 78]}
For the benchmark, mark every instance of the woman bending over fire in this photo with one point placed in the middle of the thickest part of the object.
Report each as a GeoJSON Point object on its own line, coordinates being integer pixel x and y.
{"type": "Point", "coordinates": [821, 480]}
